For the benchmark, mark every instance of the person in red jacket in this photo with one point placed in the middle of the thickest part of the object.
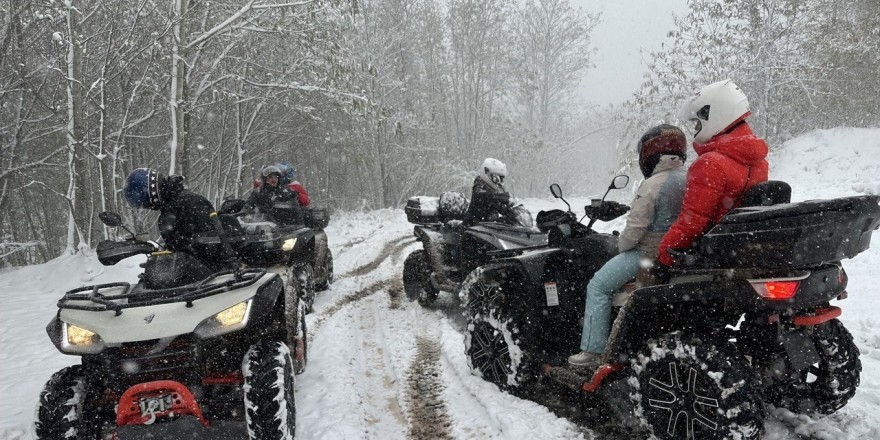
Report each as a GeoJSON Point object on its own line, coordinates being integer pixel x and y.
{"type": "Point", "coordinates": [731, 160]}
{"type": "Point", "coordinates": [288, 179]}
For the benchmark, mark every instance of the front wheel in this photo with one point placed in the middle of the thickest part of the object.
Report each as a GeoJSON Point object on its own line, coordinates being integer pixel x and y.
{"type": "Point", "coordinates": [692, 387]}
{"type": "Point", "coordinates": [270, 410]}
{"type": "Point", "coordinates": [497, 351]}
{"type": "Point", "coordinates": [827, 386]}
{"type": "Point", "coordinates": [63, 411]}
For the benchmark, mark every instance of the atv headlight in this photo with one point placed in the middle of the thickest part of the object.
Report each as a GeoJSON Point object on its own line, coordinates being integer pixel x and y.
{"type": "Point", "coordinates": [288, 244]}
{"type": "Point", "coordinates": [79, 336]}
{"type": "Point", "coordinates": [233, 315]}
{"type": "Point", "coordinates": [79, 340]}
{"type": "Point", "coordinates": [229, 320]}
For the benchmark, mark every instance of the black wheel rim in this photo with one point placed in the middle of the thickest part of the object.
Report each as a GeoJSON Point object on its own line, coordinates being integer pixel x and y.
{"type": "Point", "coordinates": [480, 295]}
{"type": "Point", "coordinates": [680, 404]}
{"type": "Point", "coordinates": [490, 353]}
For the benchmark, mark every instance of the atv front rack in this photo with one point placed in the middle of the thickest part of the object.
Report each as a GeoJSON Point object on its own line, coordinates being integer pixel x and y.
{"type": "Point", "coordinates": [96, 300]}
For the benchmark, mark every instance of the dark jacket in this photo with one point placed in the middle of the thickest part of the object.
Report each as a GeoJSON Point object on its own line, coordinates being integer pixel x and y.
{"type": "Point", "coordinates": [727, 166]}
{"type": "Point", "coordinates": [183, 214]}
{"type": "Point", "coordinates": [267, 197]}
{"type": "Point", "coordinates": [488, 205]}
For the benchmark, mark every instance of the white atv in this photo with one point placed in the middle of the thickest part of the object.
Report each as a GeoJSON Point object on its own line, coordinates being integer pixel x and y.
{"type": "Point", "coordinates": [187, 345]}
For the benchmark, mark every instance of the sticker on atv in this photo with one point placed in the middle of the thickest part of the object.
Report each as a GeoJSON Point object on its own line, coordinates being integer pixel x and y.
{"type": "Point", "coordinates": [552, 294]}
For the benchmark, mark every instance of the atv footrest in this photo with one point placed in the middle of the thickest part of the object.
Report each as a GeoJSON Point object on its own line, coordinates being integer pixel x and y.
{"type": "Point", "coordinates": [581, 380]}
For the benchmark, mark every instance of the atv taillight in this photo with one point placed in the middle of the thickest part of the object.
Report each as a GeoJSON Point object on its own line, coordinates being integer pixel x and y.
{"type": "Point", "coordinates": [776, 290]}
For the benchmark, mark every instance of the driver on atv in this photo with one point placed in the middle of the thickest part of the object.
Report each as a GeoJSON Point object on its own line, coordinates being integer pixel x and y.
{"type": "Point", "coordinates": [662, 153]}
{"type": "Point", "coordinates": [490, 202]}
{"type": "Point", "coordinates": [183, 213]}
{"type": "Point", "coordinates": [275, 199]}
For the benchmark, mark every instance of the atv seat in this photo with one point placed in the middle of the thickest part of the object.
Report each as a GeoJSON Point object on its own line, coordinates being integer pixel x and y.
{"type": "Point", "coordinates": [769, 193]}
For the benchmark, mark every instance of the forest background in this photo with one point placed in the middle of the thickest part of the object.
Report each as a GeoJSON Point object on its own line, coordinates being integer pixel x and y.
{"type": "Point", "coordinates": [375, 100]}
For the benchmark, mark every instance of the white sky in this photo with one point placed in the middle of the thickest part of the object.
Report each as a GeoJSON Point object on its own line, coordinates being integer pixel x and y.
{"type": "Point", "coordinates": [626, 26]}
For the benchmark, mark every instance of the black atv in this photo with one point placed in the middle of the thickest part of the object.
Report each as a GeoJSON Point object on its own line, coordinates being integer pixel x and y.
{"type": "Point", "coordinates": [453, 248]}
{"type": "Point", "coordinates": [294, 245]}
{"type": "Point", "coordinates": [184, 350]}
{"type": "Point", "coordinates": [745, 318]}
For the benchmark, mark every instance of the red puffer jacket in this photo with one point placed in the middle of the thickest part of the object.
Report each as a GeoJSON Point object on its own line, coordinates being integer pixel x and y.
{"type": "Point", "coordinates": [727, 166]}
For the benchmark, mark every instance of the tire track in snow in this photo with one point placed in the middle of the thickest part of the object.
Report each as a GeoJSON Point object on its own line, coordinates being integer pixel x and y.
{"type": "Point", "coordinates": [348, 299]}
{"type": "Point", "coordinates": [387, 250]}
{"type": "Point", "coordinates": [427, 408]}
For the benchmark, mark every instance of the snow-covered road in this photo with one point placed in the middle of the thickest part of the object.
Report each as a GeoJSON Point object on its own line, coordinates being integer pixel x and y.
{"type": "Point", "coordinates": [382, 367]}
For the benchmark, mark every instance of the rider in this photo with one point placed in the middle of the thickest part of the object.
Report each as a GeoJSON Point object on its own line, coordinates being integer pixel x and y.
{"type": "Point", "coordinates": [272, 193]}
{"type": "Point", "coordinates": [731, 160]}
{"type": "Point", "coordinates": [183, 213]}
{"type": "Point", "coordinates": [489, 200]}
{"type": "Point", "coordinates": [662, 153]}
{"type": "Point", "coordinates": [288, 179]}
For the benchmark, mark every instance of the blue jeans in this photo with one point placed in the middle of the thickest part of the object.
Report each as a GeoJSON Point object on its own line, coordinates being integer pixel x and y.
{"type": "Point", "coordinates": [609, 279]}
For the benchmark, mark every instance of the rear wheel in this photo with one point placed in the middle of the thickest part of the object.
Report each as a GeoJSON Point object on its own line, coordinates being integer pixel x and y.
{"type": "Point", "coordinates": [417, 279]}
{"type": "Point", "coordinates": [270, 410]}
{"type": "Point", "coordinates": [64, 410]}
{"type": "Point", "coordinates": [827, 386]}
{"type": "Point", "coordinates": [297, 337]}
{"type": "Point", "coordinates": [691, 387]}
{"type": "Point", "coordinates": [302, 280]}
{"type": "Point", "coordinates": [328, 271]}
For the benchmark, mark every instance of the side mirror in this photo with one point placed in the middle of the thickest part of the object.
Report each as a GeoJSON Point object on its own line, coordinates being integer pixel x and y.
{"type": "Point", "coordinates": [619, 182]}
{"type": "Point", "coordinates": [111, 219]}
{"type": "Point", "coordinates": [556, 191]}
{"type": "Point", "coordinates": [232, 206]}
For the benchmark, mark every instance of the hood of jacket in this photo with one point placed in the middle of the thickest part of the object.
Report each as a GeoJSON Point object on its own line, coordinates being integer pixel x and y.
{"type": "Point", "coordinates": [739, 144]}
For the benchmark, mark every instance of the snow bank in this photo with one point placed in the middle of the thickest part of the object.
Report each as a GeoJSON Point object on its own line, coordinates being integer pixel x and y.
{"type": "Point", "coordinates": [829, 163]}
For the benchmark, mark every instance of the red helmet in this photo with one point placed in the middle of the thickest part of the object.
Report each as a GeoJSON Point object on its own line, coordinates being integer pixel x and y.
{"type": "Point", "coordinates": [658, 141]}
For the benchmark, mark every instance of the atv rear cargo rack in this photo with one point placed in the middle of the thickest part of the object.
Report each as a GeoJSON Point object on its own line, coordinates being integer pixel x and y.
{"type": "Point", "coordinates": [790, 235]}
{"type": "Point", "coordinates": [133, 296]}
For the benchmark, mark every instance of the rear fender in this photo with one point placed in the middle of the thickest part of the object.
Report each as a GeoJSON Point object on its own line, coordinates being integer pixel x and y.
{"type": "Point", "coordinates": [655, 310]}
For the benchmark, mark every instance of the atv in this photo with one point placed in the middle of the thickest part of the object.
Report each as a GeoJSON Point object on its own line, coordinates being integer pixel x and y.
{"type": "Point", "coordinates": [295, 244]}
{"type": "Point", "coordinates": [186, 346]}
{"type": "Point", "coordinates": [452, 248]}
{"type": "Point", "coordinates": [743, 320]}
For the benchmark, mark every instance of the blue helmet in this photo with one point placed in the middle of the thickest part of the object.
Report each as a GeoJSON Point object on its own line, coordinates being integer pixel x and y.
{"type": "Point", "coordinates": [143, 188]}
{"type": "Point", "coordinates": [288, 172]}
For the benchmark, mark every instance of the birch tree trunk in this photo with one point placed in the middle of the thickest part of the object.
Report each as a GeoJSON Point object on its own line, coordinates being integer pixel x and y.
{"type": "Point", "coordinates": [78, 215]}
{"type": "Point", "coordinates": [177, 102]}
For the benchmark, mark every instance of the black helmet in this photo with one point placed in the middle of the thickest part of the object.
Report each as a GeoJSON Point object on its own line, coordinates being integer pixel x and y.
{"type": "Point", "coordinates": [658, 141]}
{"type": "Point", "coordinates": [143, 188]}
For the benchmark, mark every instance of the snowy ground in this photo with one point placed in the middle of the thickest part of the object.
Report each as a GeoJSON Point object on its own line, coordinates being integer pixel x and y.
{"type": "Point", "coordinates": [382, 367]}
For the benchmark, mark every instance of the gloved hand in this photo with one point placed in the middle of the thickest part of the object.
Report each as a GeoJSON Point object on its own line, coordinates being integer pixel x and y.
{"type": "Point", "coordinates": [665, 259]}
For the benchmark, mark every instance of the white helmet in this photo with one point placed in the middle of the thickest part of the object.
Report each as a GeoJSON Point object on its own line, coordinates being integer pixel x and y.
{"type": "Point", "coordinates": [715, 108]}
{"type": "Point", "coordinates": [493, 173]}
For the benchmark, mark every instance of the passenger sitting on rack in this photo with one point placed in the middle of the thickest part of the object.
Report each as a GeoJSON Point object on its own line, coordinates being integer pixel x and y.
{"type": "Point", "coordinates": [278, 201]}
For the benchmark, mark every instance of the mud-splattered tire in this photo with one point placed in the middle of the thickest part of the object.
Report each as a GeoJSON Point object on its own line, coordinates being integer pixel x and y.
{"type": "Point", "coordinates": [302, 281]}
{"type": "Point", "coordinates": [495, 350]}
{"type": "Point", "coordinates": [62, 412]}
{"type": "Point", "coordinates": [481, 292]}
{"type": "Point", "coordinates": [417, 279]}
{"type": "Point", "coordinates": [270, 410]}
{"type": "Point", "coordinates": [827, 386]}
{"type": "Point", "coordinates": [328, 268]}
{"type": "Point", "coordinates": [688, 387]}
{"type": "Point", "coordinates": [297, 336]}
